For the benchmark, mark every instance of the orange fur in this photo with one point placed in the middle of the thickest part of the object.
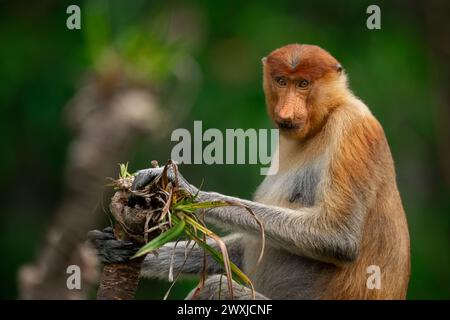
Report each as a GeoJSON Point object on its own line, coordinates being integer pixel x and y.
{"type": "Point", "coordinates": [365, 157]}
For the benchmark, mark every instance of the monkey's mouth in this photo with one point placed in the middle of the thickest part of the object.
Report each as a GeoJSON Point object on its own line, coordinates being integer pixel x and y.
{"type": "Point", "coordinates": [289, 125]}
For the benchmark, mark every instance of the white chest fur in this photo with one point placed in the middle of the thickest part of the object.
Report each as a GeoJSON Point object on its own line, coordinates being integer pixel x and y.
{"type": "Point", "coordinates": [292, 188]}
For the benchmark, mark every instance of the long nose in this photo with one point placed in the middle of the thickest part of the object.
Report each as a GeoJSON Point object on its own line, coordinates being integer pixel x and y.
{"type": "Point", "coordinates": [286, 108]}
{"type": "Point", "coordinates": [286, 113]}
{"type": "Point", "coordinates": [291, 110]}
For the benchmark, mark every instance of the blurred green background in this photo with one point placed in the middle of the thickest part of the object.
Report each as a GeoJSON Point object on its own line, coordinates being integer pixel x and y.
{"type": "Point", "coordinates": [397, 71]}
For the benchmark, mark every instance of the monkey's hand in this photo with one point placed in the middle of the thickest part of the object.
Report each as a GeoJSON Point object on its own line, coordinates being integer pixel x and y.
{"type": "Point", "coordinates": [109, 249]}
{"type": "Point", "coordinates": [146, 176]}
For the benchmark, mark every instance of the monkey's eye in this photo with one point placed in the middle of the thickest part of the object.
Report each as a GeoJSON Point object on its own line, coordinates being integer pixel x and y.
{"type": "Point", "coordinates": [281, 81]}
{"type": "Point", "coordinates": [303, 84]}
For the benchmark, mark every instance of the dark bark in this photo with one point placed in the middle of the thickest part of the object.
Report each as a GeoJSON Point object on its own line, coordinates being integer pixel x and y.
{"type": "Point", "coordinates": [119, 281]}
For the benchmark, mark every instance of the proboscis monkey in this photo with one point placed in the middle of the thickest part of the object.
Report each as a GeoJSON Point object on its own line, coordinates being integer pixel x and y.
{"type": "Point", "coordinates": [332, 210]}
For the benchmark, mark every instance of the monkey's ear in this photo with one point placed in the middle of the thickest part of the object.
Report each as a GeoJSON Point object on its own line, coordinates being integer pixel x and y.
{"type": "Point", "coordinates": [263, 60]}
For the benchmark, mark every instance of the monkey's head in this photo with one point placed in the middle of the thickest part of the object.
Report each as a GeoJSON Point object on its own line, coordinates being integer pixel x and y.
{"type": "Point", "coordinates": [302, 84]}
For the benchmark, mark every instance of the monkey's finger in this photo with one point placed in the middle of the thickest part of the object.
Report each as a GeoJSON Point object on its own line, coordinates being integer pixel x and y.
{"type": "Point", "coordinates": [108, 229]}
{"type": "Point", "coordinates": [116, 245]}
{"type": "Point", "coordinates": [144, 177]}
{"type": "Point", "coordinates": [115, 256]}
{"type": "Point", "coordinates": [100, 235]}
{"type": "Point", "coordinates": [112, 251]}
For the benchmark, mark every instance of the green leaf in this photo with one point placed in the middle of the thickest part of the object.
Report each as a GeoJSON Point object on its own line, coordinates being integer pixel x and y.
{"type": "Point", "coordinates": [162, 239]}
{"type": "Point", "coordinates": [123, 168]}
{"type": "Point", "coordinates": [216, 255]}
{"type": "Point", "coordinates": [192, 207]}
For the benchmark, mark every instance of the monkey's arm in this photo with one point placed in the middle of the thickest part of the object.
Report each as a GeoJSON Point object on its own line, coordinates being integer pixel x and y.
{"type": "Point", "coordinates": [323, 233]}
{"type": "Point", "coordinates": [310, 232]}
{"type": "Point", "coordinates": [111, 250]}
{"type": "Point", "coordinates": [327, 232]}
